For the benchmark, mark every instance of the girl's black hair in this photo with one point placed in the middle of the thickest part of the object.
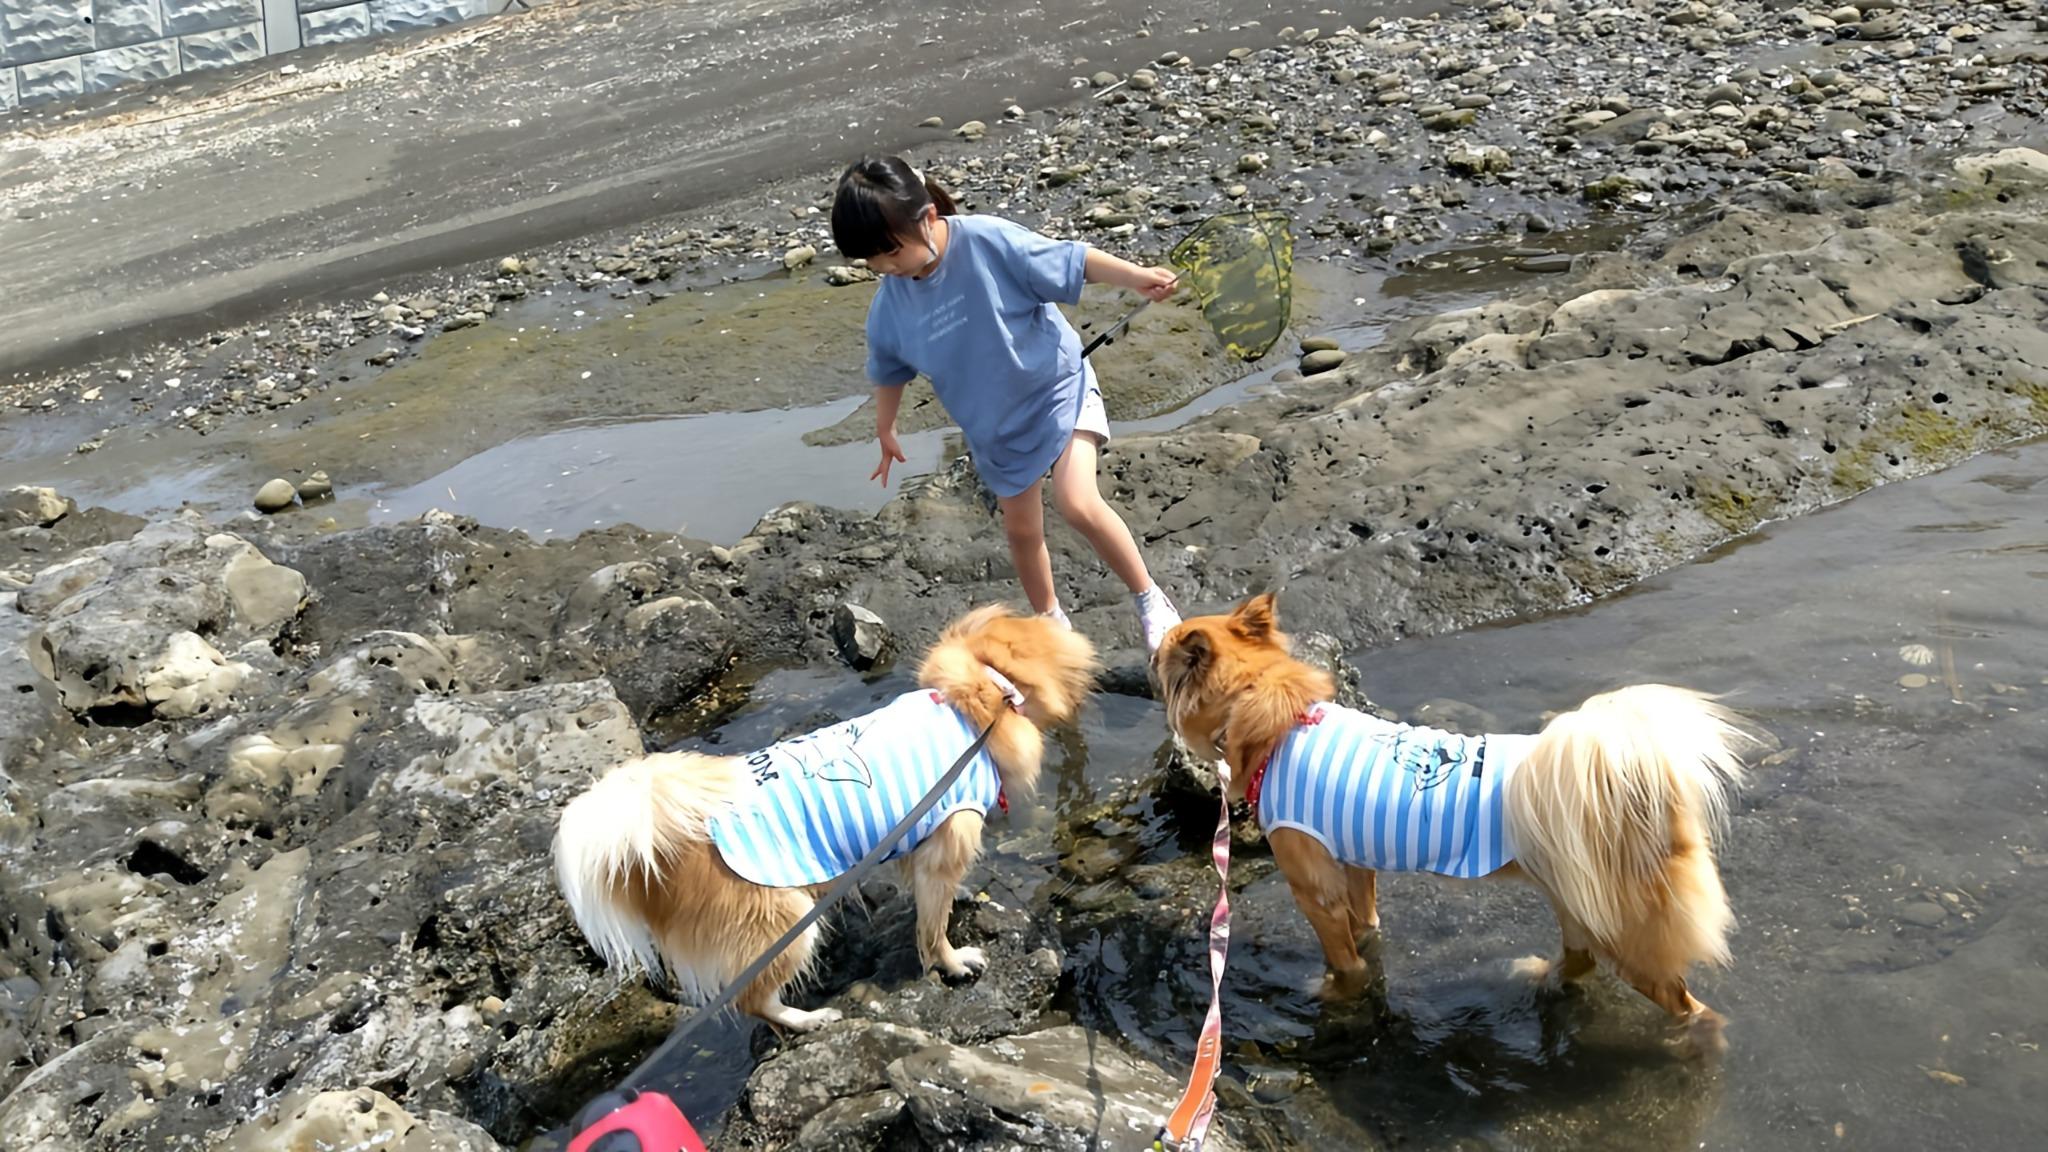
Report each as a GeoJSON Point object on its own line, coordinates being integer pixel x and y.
{"type": "Point", "coordinates": [878, 202]}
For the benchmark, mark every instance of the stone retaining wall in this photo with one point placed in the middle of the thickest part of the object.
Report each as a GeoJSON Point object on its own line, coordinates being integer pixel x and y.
{"type": "Point", "coordinates": [53, 49]}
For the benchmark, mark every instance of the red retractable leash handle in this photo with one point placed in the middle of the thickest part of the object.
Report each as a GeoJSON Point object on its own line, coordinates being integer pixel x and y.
{"type": "Point", "coordinates": [633, 1122]}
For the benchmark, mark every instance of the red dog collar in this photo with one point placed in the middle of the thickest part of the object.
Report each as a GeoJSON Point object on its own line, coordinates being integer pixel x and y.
{"type": "Point", "coordinates": [1255, 782]}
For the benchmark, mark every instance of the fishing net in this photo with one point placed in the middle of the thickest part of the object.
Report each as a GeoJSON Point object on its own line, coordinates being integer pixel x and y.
{"type": "Point", "coordinates": [1240, 267]}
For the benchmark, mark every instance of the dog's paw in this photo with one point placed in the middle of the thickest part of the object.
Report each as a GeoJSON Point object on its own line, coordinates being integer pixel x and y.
{"type": "Point", "coordinates": [966, 962]}
{"type": "Point", "coordinates": [1703, 1036]}
{"type": "Point", "coordinates": [799, 1021]}
{"type": "Point", "coordinates": [1343, 986]}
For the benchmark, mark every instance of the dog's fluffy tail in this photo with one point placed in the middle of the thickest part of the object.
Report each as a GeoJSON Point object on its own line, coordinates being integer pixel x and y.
{"type": "Point", "coordinates": [1616, 811]}
{"type": "Point", "coordinates": [619, 843]}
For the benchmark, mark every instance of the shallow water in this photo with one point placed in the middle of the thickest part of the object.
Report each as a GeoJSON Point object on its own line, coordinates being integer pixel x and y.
{"type": "Point", "coordinates": [712, 475]}
{"type": "Point", "coordinates": [1889, 867]}
{"type": "Point", "coordinates": [709, 476]}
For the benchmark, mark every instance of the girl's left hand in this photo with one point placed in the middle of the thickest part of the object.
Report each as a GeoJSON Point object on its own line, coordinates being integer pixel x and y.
{"type": "Point", "coordinates": [1155, 284]}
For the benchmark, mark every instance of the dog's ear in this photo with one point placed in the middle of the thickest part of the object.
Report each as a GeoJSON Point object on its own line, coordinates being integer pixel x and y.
{"type": "Point", "coordinates": [1184, 665]}
{"type": "Point", "coordinates": [1192, 652]}
{"type": "Point", "coordinates": [1257, 618]}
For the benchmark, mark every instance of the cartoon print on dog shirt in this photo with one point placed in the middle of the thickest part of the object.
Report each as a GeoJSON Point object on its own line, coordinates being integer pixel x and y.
{"type": "Point", "coordinates": [817, 803]}
{"type": "Point", "coordinates": [1390, 797]}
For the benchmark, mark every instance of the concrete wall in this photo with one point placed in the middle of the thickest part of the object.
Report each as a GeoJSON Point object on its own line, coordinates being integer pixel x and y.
{"type": "Point", "coordinates": [51, 49]}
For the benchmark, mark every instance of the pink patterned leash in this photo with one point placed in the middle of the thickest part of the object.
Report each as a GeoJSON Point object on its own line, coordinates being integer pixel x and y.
{"type": "Point", "coordinates": [1188, 1125]}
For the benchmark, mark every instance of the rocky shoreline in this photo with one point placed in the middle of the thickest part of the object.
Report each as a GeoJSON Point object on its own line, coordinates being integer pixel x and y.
{"type": "Point", "coordinates": [1520, 116]}
{"type": "Point", "coordinates": [275, 801]}
{"type": "Point", "coordinates": [279, 801]}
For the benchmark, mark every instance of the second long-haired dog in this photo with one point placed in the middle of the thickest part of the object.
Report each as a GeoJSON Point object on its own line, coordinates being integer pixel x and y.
{"type": "Point", "coordinates": [1613, 811]}
{"type": "Point", "coordinates": [691, 865]}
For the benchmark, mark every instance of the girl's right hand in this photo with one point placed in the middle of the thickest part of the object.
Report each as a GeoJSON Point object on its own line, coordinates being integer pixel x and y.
{"type": "Point", "coordinates": [891, 452]}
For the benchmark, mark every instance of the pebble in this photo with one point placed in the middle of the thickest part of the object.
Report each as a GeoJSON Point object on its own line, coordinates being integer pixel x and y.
{"type": "Point", "coordinates": [972, 130]}
{"type": "Point", "coordinates": [1319, 344]}
{"type": "Point", "coordinates": [1913, 680]}
{"type": "Point", "coordinates": [316, 486]}
{"type": "Point", "coordinates": [1252, 162]}
{"type": "Point", "coordinates": [1323, 361]}
{"type": "Point", "coordinates": [1552, 262]}
{"type": "Point", "coordinates": [932, 122]}
{"type": "Point", "coordinates": [1144, 80]}
{"type": "Point", "coordinates": [275, 496]}
{"type": "Point", "coordinates": [799, 256]}
{"type": "Point", "coordinates": [1478, 161]}
{"type": "Point", "coordinates": [1923, 914]}
{"type": "Point", "coordinates": [863, 639]}
{"type": "Point", "coordinates": [1104, 79]}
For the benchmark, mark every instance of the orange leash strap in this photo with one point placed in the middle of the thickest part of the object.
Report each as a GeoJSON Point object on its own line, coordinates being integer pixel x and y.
{"type": "Point", "coordinates": [1188, 1126]}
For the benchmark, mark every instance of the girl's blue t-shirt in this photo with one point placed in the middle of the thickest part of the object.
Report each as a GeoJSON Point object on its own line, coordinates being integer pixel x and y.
{"type": "Point", "coordinates": [984, 328]}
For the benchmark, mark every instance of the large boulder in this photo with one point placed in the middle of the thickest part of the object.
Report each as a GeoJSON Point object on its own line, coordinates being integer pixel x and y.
{"type": "Point", "coordinates": [138, 626]}
{"type": "Point", "coordinates": [33, 507]}
{"type": "Point", "coordinates": [348, 890]}
{"type": "Point", "coordinates": [659, 642]}
{"type": "Point", "coordinates": [869, 1086]}
{"type": "Point", "coordinates": [363, 1118]}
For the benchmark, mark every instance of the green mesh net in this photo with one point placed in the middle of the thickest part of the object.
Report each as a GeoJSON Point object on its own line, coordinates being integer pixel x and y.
{"type": "Point", "coordinates": [1240, 267]}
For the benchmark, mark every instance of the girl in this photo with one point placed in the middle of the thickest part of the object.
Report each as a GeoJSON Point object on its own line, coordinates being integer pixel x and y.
{"type": "Point", "coordinates": [970, 302]}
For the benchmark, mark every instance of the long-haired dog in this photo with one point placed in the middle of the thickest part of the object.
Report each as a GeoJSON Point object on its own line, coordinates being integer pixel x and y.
{"type": "Point", "coordinates": [690, 866]}
{"type": "Point", "coordinates": [1613, 811]}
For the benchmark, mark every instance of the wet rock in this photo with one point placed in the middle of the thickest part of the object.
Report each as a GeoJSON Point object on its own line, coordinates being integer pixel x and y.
{"type": "Point", "coordinates": [417, 890]}
{"type": "Point", "coordinates": [359, 1118]}
{"type": "Point", "coordinates": [1550, 262]}
{"type": "Point", "coordinates": [971, 130]}
{"type": "Point", "coordinates": [864, 640]}
{"type": "Point", "coordinates": [316, 486]}
{"type": "Point", "coordinates": [932, 122]}
{"type": "Point", "coordinates": [1013, 993]}
{"type": "Point", "coordinates": [659, 642]}
{"type": "Point", "coordinates": [2024, 164]}
{"type": "Point", "coordinates": [1103, 79]}
{"type": "Point", "coordinates": [850, 1061]}
{"type": "Point", "coordinates": [276, 496]}
{"type": "Point", "coordinates": [1923, 914]}
{"type": "Point", "coordinates": [1319, 344]}
{"type": "Point", "coordinates": [1252, 162]}
{"type": "Point", "coordinates": [877, 1120]}
{"type": "Point", "coordinates": [1610, 188]}
{"type": "Point", "coordinates": [127, 624]}
{"type": "Point", "coordinates": [1482, 160]}
{"type": "Point", "coordinates": [1323, 361]}
{"type": "Point", "coordinates": [33, 507]}
{"type": "Point", "coordinates": [419, 565]}
{"type": "Point", "coordinates": [843, 275]}
{"type": "Point", "coordinates": [1063, 1088]}
{"type": "Point", "coordinates": [799, 256]}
